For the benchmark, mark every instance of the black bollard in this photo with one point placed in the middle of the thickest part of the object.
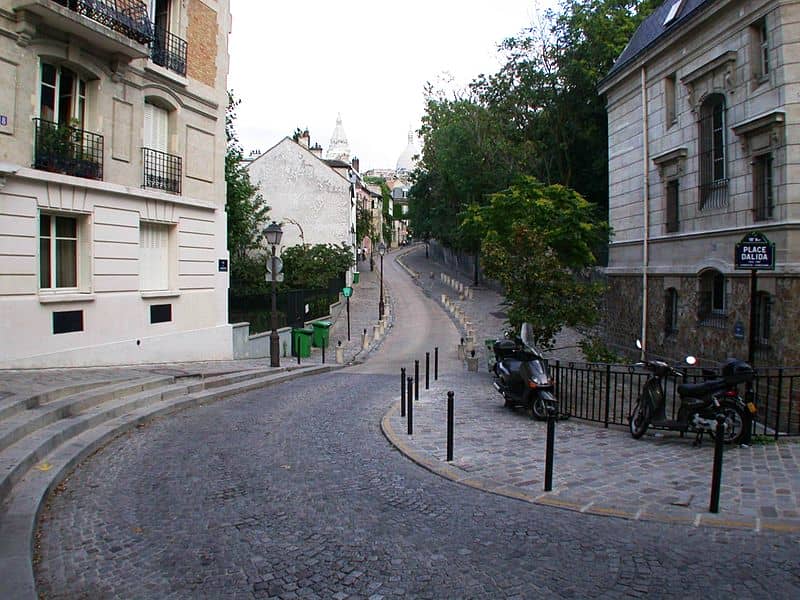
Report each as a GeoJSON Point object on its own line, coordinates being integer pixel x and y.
{"type": "Point", "coordinates": [716, 472]}
{"type": "Point", "coordinates": [403, 392]}
{"type": "Point", "coordinates": [323, 354]}
{"type": "Point", "coordinates": [548, 460]}
{"type": "Point", "coordinates": [410, 407]}
{"type": "Point", "coordinates": [450, 426]}
{"type": "Point", "coordinates": [427, 368]}
{"type": "Point", "coordinates": [436, 363]}
{"type": "Point", "coordinates": [416, 380]}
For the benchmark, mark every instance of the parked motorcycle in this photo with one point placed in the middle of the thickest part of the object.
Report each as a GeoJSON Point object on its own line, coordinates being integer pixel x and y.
{"type": "Point", "coordinates": [700, 403]}
{"type": "Point", "coordinates": [521, 376]}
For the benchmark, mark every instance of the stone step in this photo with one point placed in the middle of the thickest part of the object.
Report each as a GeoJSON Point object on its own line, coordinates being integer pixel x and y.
{"type": "Point", "coordinates": [19, 514]}
{"type": "Point", "coordinates": [15, 404]}
{"type": "Point", "coordinates": [44, 411]}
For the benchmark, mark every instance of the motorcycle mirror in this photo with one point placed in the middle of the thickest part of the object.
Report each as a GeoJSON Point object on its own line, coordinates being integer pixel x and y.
{"type": "Point", "coordinates": [639, 344]}
{"type": "Point", "coordinates": [691, 360]}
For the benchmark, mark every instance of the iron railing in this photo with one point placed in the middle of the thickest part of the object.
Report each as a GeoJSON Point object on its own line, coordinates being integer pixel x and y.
{"type": "Point", "coordinates": [162, 171]}
{"type": "Point", "coordinates": [128, 17]}
{"type": "Point", "coordinates": [606, 393]}
{"type": "Point", "coordinates": [68, 150]}
{"type": "Point", "coordinates": [168, 51]}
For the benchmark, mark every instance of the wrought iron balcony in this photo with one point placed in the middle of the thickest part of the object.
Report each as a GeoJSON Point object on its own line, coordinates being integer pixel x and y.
{"type": "Point", "coordinates": [162, 171]}
{"type": "Point", "coordinates": [68, 150]}
{"type": "Point", "coordinates": [168, 51]}
{"type": "Point", "coordinates": [128, 17]}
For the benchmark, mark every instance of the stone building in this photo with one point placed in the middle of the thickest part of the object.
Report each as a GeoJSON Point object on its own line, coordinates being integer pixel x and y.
{"type": "Point", "coordinates": [312, 196]}
{"type": "Point", "coordinates": [112, 183]}
{"type": "Point", "coordinates": [704, 139]}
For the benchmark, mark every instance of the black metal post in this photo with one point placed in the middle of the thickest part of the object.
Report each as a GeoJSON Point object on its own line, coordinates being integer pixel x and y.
{"type": "Point", "coordinates": [436, 363]}
{"type": "Point", "coordinates": [450, 426]}
{"type": "Point", "coordinates": [548, 459]}
{"type": "Point", "coordinates": [427, 369]}
{"type": "Point", "coordinates": [274, 338]}
{"type": "Point", "coordinates": [716, 473]}
{"type": "Point", "coordinates": [410, 410]}
{"type": "Point", "coordinates": [380, 302]}
{"type": "Point", "coordinates": [608, 394]}
{"type": "Point", "coordinates": [348, 318]}
{"type": "Point", "coordinates": [751, 343]}
{"type": "Point", "coordinates": [402, 391]}
{"type": "Point", "coordinates": [298, 351]}
{"type": "Point", "coordinates": [323, 353]}
{"type": "Point", "coordinates": [416, 380]}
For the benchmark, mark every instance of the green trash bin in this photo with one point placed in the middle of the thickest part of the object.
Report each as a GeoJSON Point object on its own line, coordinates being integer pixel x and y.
{"type": "Point", "coordinates": [301, 340]}
{"type": "Point", "coordinates": [356, 277]}
{"type": "Point", "coordinates": [321, 333]}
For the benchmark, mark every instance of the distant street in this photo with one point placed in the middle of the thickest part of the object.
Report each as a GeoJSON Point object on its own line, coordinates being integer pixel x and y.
{"type": "Point", "coordinates": [293, 492]}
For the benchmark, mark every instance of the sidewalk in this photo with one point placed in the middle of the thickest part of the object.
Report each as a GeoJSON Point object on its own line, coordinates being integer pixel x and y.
{"type": "Point", "coordinates": [600, 471]}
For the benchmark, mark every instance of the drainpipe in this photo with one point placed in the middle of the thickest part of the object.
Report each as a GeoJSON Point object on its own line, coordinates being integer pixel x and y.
{"type": "Point", "coordinates": [646, 207]}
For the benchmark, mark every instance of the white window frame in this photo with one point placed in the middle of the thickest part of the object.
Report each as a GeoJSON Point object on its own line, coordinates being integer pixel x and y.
{"type": "Point", "coordinates": [53, 257]}
{"type": "Point", "coordinates": [77, 109]}
{"type": "Point", "coordinates": [156, 256]}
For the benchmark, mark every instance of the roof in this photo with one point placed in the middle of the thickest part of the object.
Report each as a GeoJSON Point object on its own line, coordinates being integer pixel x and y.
{"type": "Point", "coordinates": [654, 29]}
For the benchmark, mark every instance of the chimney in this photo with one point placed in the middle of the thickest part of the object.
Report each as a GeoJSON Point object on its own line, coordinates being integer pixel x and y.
{"type": "Point", "coordinates": [316, 150]}
{"type": "Point", "coordinates": [356, 165]}
{"type": "Point", "coordinates": [305, 139]}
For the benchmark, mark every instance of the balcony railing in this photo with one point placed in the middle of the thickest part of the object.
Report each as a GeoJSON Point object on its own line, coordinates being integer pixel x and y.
{"type": "Point", "coordinates": [162, 171]}
{"type": "Point", "coordinates": [168, 51]}
{"type": "Point", "coordinates": [128, 17]}
{"type": "Point", "coordinates": [68, 150]}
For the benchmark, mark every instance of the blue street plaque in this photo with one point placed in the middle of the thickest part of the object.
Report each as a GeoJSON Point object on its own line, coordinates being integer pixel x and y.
{"type": "Point", "coordinates": [755, 251]}
{"type": "Point", "coordinates": [738, 330]}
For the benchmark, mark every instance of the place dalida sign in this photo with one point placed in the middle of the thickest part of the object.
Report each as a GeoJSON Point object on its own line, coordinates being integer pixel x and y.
{"type": "Point", "coordinates": [755, 252]}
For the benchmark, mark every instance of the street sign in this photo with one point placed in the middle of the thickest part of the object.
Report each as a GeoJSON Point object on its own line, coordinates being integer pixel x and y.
{"type": "Point", "coordinates": [278, 264]}
{"type": "Point", "coordinates": [278, 277]}
{"type": "Point", "coordinates": [347, 291]}
{"type": "Point", "coordinates": [755, 251]}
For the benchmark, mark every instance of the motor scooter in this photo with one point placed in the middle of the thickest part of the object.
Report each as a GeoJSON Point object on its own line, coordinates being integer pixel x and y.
{"type": "Point", "coordinates": [700, 403]}
{"type": "Point", "coordinates": [521, 375]}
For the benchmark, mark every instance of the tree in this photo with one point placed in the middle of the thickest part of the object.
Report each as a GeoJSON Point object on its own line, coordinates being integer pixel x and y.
{"type": "Point", "coordinates": [538, 241]}
{"type": "Point", "coordinates": [246, 208]}
{"type": "Point", "coordinates": [313, 266]}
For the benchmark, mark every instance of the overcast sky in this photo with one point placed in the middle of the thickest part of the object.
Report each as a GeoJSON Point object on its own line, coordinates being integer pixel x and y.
{"type": "Point", "coordinates": [300, 63]}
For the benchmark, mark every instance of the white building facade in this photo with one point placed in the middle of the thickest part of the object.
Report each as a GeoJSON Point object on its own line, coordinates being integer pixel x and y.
{"type": "Point", "coordinates": [704, 147]}
{"type": "Point", "coordinates": [112, 182]}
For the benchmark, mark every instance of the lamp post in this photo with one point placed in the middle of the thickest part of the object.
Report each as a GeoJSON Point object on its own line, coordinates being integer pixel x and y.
{"type": "Point", "coordinates": [273, 233]}
{"type": "Point", "coordinates": [381, 251]}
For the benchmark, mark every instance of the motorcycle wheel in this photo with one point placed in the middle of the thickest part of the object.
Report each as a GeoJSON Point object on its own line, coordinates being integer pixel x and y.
{"type": "Point", "coordinates": [639, 421]}
{"type": "Point", "coordinates": [735, 420]}
{"type": "Point", "coordinates": [538, 408]}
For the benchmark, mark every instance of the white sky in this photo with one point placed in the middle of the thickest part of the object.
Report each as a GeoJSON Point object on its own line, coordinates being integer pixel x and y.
{"type": "Point", "coordinates": [299, 63]}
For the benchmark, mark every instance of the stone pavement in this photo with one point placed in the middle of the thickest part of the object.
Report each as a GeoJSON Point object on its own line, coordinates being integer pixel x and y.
{"type": "Point", "coordinates": [602, 471]}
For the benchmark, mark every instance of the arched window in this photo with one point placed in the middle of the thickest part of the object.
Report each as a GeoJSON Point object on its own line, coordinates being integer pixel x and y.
{"type": "Point", "coordinates": [713, 176]}
{"type": "Point", "coordinates": [670, 311]}
{"type": "Point", "coordinates": [711, 309]}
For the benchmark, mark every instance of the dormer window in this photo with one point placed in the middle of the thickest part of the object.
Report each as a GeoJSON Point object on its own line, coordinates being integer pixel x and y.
{"type": "Point", "coordinates": [673, 12]}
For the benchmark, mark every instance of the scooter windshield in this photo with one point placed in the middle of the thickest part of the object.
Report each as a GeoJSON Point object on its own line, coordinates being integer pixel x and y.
{"type": "Point", "coordinates": [526, 335]}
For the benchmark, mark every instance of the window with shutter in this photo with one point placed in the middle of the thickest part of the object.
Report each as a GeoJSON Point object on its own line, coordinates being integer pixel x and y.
{"type": "Point", "coordinates": [153, 256]}
{"type": "Point", "coordinates": [156, 127]}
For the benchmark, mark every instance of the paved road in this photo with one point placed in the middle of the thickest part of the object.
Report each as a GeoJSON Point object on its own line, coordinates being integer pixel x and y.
{"type": "Point", "coordinates": [294, 493]}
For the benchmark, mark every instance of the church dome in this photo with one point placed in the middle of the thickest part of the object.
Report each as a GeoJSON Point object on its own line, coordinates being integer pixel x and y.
{"type": "Point", "coordinates": [406, 162]}
{"type": "Point", "coordinates": [338, 149]}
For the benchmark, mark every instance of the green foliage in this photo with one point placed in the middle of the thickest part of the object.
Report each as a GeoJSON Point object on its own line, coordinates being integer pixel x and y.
{"type": "Point", "coordinates": [538, 241]}
{"type": "Point", "coordinates": [596, 351]}
{"type": "Point", "coordinates": [313, 266]}
{"type": "Point", "coordinates": [246, 208]}
{"type": "Point", "coordinates": [364, 225]}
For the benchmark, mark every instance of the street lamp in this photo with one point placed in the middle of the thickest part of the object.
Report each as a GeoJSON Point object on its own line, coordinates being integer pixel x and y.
{"type": "Point", "coordinates": [381, 251]}
{"type": "Point", "coordinates": [273, 233]}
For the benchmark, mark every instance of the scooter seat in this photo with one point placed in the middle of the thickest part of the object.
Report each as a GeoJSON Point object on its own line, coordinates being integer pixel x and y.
{"type": "Point", "coordinates": [702, 389]}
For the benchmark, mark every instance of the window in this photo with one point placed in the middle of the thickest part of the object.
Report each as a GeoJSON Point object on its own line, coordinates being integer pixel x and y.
{"type": "Point", "coordinates": [672, 208]}
{"type": "Point", "coordinates": [62, 95]}
{"type": "Point", "coordinates": [759, 55]}
{"type": "Point", "coordinates": [161, 170]}
{"type": "Point", "coordinates": [762, 324]}
{"type": "Point", "coordinates": [763, 198]}
{"type": "Point", "coordinates": [58, 252]}
{"type": "Point", "coordinates": [156, 127]}
{"type": "Point", "coordinates": [711, 309]}
{"type": "Point", "coordinates": [670, 100]}
{"type": "Point", "coordinates": [160, 313]}
{"type": "Point", "coordinates": [673, 12]}
{"type": "Point", "coordinates": [713, 182]}
{"type": "Point", "coordinates": [67, 321]}
{"type": "Point", "coordinates": [153, 256]}
{"type": "Point", "coordinates": [671, 311]}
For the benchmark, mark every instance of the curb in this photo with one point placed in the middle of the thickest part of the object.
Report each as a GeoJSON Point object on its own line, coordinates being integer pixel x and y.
{"type": "Point", "coordinates": [457, 475]}
{"type": "Point", "coordinates": [19, 521]}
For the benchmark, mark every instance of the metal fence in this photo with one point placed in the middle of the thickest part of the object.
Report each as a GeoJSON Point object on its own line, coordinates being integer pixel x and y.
{"type": "Point", "coordinates": [606, 393]}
